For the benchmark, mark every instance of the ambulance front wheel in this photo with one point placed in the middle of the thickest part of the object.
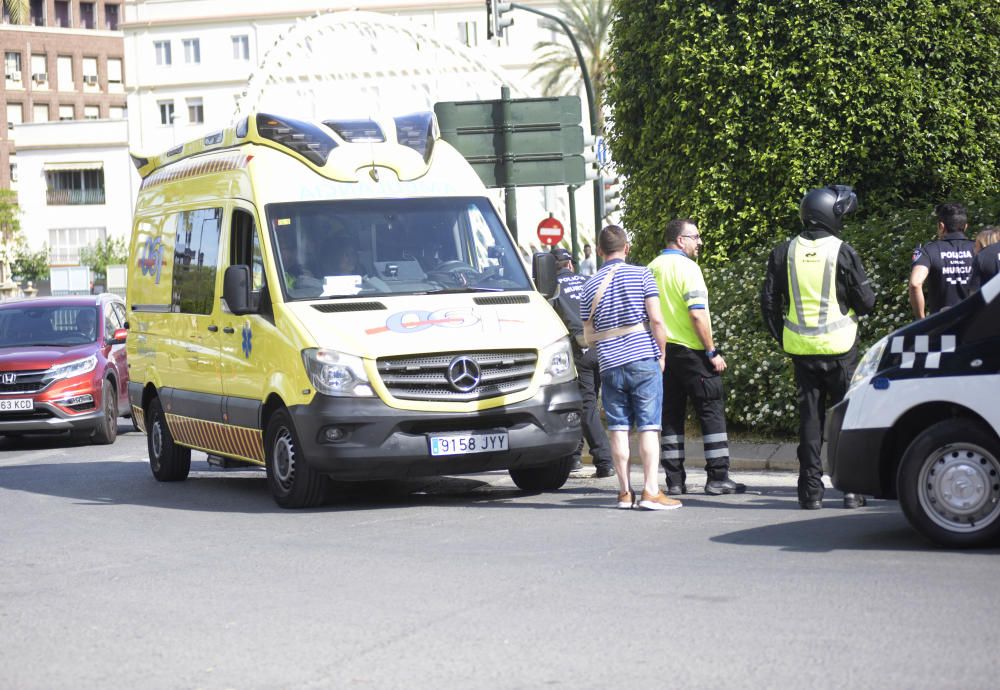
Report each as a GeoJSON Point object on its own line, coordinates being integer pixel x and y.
{"type": "Point", "coordinates": [293, 483]}
{"type": "Point", "coordinates": [546, 478]}
{"type": "Point", "coordinates": [168, 461]}
{"type": "Point", "coordinates": [949, 484]}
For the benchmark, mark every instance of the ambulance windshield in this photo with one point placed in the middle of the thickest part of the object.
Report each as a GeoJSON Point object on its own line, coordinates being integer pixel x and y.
{"type": "Point", "coordinates": [331, 249]}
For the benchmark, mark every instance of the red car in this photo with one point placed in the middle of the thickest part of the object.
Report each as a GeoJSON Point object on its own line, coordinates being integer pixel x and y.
{"type": "Point", "coordinates": [63, 367]}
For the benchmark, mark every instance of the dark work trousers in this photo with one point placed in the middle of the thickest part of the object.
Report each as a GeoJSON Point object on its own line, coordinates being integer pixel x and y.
{"type": "Point", "coordinates": [822, 382]}
{"type": "Point", "coordinates": [689, 374]}
{"type": "Point", "coordinates": [593, 429]}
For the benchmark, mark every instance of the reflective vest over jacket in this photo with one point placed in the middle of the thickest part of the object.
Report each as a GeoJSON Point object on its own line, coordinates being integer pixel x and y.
{"type": "Point", "coordinates": [814, 324]}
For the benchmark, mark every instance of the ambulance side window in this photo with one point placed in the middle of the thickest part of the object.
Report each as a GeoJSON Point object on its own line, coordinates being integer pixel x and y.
{"type": "Point", "coordinates": [244, 249]}
{"type": "Point", "coordinates": [196, 260]}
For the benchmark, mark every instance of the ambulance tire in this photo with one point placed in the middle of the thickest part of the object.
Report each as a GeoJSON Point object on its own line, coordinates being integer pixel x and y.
{"type": "Point", "coordinates": [168, 461]}
{"type": "Point", "coordinates": [948, 484]}
{"type": "Point", "coordinates": [293, 483]}
{"type": "Point", "coordinates": [545, 478]}
{"type": "Point", "coordinates": [107, 431]}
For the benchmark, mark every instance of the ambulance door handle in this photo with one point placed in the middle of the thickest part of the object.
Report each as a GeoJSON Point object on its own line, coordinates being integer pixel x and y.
{"type": "Point", "coordinates": [213, 329]}
{"type": "Point", "coordinates": [228, 329]}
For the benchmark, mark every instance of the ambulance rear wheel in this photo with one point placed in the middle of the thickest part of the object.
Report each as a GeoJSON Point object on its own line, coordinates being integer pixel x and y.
{"type": "Point", "coordinates": [949, 484]}
{"type": "Point", "coordinates": [293, 483]}
{"type": "Point", "coordinates": [168, 461]}
{"type": "Point", "coordinates": [545, 478]}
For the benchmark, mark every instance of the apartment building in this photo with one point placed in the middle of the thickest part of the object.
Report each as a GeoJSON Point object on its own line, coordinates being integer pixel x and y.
{"type": "Point", "coordinates": [66, 63]}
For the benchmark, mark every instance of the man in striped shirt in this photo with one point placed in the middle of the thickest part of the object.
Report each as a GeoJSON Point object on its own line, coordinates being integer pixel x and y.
{"type": "Point", "coordinates": [620, 309]}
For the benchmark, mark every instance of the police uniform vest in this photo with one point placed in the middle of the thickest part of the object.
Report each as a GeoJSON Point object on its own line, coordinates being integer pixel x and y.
{"type": "Point", "coordinates": [814, 324]}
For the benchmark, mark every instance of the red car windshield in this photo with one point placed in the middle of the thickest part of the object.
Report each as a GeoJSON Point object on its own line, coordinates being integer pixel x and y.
{"type": "Point", "coordinates": [34, 326]}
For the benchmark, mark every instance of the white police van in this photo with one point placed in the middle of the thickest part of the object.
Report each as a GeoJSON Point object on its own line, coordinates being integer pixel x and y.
{"type": "Point", "coordinates": [920, 423]}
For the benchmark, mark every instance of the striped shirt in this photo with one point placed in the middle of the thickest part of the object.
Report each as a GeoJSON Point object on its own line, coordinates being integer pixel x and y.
{"type": "Point", "coordinates": [623, 304]}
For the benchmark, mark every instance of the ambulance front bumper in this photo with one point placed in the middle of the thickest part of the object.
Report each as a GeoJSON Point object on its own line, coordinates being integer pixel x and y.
{"type": "Point", "coordinates": [853, 455]}
{"type": "Point", "coordinates": [381, 442]}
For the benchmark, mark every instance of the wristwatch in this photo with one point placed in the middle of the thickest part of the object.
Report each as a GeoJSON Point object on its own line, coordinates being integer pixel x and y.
{"type": "Point", "coordinates": [711, 353]}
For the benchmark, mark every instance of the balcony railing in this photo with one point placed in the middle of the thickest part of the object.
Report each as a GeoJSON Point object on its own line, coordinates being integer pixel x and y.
{"type": "Point", "coordinates": [74, 197]}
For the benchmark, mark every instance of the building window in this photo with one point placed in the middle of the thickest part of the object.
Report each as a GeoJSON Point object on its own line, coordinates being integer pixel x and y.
{"type": "Point", "coordinates": [13, 171]}
{"type": "Point", "coordinates": [196, 111]}
{"type": "Point", "coordinates": [63, 18]}
{"type": "Point", "coordinates": [37, 12]}
{"type": "Point", "coordinates": [15, 115]}
{"type": "Point", "coordinates": [114, 70]}
{"type": "Point", "coordinates": [90, 71]}
{"type": "Point", "coordinates": [65, 112]}
{"type": "Point", "coordinates": [64, 73]}
{"type": "Point", "coordinates": [39, 69]}
{"type": "Point", "coordinates": [40, 113]}
{"type": "Point", "coordinates": [91, 112]}
{"type": "Point", "coordinates": [74, 187]}
{"type": "Point", "coordinates": [192, 51]}
{"type": "Point", "coordinates": [241, 47]}
{"type": "Point", "coordinates": [65, 243]}
{"type": "Point", "coordinates": [12, 66]}
{"type": "Point", "coordinates": [467, 34]}
{"type": "Point", "coordinates": [87, 15]}
{"type": "Point", "coordinates": [117, 112]}
{"type": "Point", "coordinates": [111, 17]}
{"type": "Point", "coordinates": [162, 52]}
{"type": "Point", "coordinates": [166, 112]}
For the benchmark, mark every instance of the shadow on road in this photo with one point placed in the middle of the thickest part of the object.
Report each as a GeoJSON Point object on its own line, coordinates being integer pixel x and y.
{"type": "Point", "coordinates": [45, 441]}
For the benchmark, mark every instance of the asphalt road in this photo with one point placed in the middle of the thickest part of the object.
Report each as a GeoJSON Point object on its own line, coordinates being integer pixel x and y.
{"type": "Point", "coordinates": [111, 580]}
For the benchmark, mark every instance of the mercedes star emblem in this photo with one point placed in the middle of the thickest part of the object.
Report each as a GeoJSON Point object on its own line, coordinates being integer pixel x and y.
{"type": "Point", "coordinates": [464, 374]}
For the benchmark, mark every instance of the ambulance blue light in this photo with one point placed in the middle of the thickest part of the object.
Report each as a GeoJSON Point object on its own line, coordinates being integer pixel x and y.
{"type": "Point", "coordinates": [417, 132]}
{"type": "Point", "coordinates": [306, 139]}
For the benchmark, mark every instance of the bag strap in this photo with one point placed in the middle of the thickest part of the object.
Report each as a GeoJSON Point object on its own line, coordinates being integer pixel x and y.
{"type": "Point", "coordinates": [599, 336]}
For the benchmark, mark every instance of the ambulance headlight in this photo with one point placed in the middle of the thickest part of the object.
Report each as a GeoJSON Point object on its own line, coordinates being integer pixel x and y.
{"type": "Point", "coordinates": [869, 363]}
{"type": "Point", "coordinates": [557, 359]}
{"type": "Point", "coordinates": [336, 373]}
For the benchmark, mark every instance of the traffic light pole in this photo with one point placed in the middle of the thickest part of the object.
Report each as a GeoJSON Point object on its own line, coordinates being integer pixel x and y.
{"type": "Point", "coordinates": [589, 87]}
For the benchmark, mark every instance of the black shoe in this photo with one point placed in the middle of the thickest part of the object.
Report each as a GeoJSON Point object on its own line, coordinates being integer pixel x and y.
{"type": "Point", "coordinates": [811, 505]}
{"type": "Point", "coordinates": [718, 487]}
{"type": "Point", "coordinates": [577, 466]}
{"type": "Point", "coordinates": [854, 500]}
{"type": "Point", "coordinates": [603, 472]}
{"type": "Point", "coordinates": [677, 489]}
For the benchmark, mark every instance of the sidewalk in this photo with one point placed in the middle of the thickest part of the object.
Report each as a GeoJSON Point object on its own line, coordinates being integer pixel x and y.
{"type": "Point", "coordinates": [744, 456]}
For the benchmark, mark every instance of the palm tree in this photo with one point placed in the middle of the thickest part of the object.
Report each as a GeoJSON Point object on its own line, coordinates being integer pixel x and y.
{"type": "Point", "coordinates": [590, 22]}
{"type": "Point", "coordinates": [18, 10]}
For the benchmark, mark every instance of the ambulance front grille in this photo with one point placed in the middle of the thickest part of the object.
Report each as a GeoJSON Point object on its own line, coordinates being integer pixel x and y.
{"type": "Point", "coordinates": [428, 377]}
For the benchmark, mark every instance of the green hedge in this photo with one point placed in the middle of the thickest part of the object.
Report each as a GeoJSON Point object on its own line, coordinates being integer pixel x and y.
{"type": "Point", "coordinates": [759, 383]}
{"type": "Point", "coordinates": [728, 111]}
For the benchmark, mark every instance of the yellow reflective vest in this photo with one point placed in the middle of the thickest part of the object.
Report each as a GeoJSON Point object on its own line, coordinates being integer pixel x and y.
{"type": "Point", "coordinates": [814, 324]}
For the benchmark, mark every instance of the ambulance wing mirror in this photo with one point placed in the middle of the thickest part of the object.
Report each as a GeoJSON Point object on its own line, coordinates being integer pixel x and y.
{"type": "Point", "coordinates": [236, 289]}
{"type": "Point", "coordinates": [543, 268]}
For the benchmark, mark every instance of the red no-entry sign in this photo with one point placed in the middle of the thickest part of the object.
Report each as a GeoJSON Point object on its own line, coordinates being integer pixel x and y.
{"type": "Point", "coordinates": [550, 231]}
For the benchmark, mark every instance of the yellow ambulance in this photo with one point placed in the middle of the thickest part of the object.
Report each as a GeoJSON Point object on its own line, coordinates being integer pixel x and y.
{"type": "Point", "coordinates": [340, 299]}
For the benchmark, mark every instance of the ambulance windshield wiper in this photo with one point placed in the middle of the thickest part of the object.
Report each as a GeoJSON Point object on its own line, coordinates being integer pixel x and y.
{"type": "Point", "coordinates": [467, 288]}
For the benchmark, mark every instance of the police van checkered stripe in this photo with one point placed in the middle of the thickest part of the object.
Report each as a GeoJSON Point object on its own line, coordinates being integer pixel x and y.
{"type": "Point", "coordinates": [234, 441]}
{"type": "Point", "coordinates": [921, 351]}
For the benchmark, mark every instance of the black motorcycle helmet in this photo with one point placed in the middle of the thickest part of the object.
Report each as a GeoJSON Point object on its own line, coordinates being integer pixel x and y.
{"type": "Point", "coordinates": [823, 208]}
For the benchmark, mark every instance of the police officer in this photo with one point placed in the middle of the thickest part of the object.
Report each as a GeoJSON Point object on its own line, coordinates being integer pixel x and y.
{"type": "Point", "coordinates": [693, 363]}
{"type": "Point", "coordinates": [947, 261]}
{"type": "Point", "coordinates": [814, 290]}
{"type": "Point", "coordinates": [567, 306]}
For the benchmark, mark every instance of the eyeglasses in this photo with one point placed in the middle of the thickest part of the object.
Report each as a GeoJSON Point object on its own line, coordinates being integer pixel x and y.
{"type": "Point", "coordinates": [693, 237]}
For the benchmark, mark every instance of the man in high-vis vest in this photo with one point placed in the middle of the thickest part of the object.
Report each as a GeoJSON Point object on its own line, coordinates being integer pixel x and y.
{"type": "Point", "coordinates": [813, 293]}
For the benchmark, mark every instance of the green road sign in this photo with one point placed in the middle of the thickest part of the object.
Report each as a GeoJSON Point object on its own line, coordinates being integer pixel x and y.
{"type": "Point", "coordinates": [526, 172]}
{"type": "Point", "coordinates": [541, 138]}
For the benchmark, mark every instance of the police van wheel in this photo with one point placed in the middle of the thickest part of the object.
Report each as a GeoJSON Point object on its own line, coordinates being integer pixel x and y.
{"type": "Point", "coordinates": [545, 478]}
{"type": "Point", "coordinates": [293, 483]}
{"type": "Point", "coordinates": [949, 484]}
{"type": "Point", "coordinates": [168, 461]}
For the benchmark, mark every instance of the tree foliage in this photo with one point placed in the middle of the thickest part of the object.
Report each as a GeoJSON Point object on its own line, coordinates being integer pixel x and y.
{"type": "Point", "coordinates": [17, 10]}
{"type": "Point", "coordinates": [728, 111]}
{"type": "Point", "coordinates": [556, 61]}
{"type": "Point", "coordinates": [107, 252]}
{"type": "Point", "coordinates": [29, 265]}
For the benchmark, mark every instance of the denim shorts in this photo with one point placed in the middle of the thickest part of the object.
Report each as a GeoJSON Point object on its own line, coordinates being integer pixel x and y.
{"type": "Point", "coordinates": [632, 395]}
